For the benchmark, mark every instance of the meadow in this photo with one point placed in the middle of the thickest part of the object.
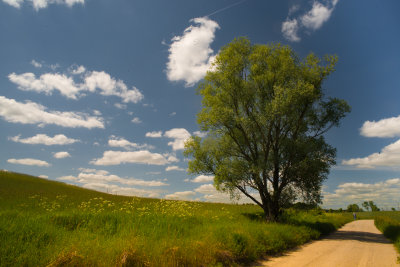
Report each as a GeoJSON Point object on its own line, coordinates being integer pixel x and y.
{"type": "Point", "coordinates": [47, 223]}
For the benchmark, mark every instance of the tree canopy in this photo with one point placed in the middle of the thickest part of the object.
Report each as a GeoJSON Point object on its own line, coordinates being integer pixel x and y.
{"type": "Point", "coordinates": [265, 115]}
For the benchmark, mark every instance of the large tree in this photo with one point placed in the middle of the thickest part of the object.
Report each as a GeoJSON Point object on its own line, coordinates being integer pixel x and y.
{"type": "Point", "coordinates": [265, 114]}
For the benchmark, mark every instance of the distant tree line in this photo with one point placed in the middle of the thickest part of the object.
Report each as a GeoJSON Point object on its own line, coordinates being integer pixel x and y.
{"type": "Point", "coordinates": [368, 205]}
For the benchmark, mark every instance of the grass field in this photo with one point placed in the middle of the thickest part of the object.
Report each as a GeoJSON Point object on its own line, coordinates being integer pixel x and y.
{"type": "Point", "coordinates": [49, 223]}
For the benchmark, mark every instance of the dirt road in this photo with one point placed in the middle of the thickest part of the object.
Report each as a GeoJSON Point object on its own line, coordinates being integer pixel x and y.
{"type": "Point", "coordinates": [358, 243]}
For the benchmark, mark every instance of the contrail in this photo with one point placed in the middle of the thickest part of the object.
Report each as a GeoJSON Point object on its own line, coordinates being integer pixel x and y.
{"type": "Point", "coordinates": [225, 8]}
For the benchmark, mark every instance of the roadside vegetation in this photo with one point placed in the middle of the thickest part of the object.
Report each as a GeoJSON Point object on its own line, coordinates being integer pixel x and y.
{"type": "Point", "coordinates": [49, 223]}
{"type": "Point", "coordinates": [388, 222]}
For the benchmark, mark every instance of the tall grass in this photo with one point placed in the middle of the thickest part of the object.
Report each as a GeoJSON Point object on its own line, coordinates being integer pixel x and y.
{"type": "Point", "coordinates": [389, 224]}
{"type": "Point", "coordinates": [47, 223]}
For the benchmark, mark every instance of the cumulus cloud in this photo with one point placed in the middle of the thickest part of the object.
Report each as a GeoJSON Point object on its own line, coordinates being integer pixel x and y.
{"type": "Point", "coordinates": [43, 176]}
{"type": "Point", "coordinates": [200, 134]}
{"type": "Point", "coordinates": [122, 190]}
{"type": "Point", "coordinates": [78, 70]}
{"type": "Point", "coordinates": [92, 81]}
{"type": "Point", "coordinates": [290, 28]}
{"type": "Point", "coordinates": [136, 120]}
{"type": "Point", "coordinates": [61, 155]}
{"type": "Point", "coordinates": [39, 4]}
{"type": "Point", "coordinates": [311, 20]}
{"type": "Point", "coordinates": [102, 180]}
{"type": "Point", "coordinates": [203, 179]}
{"type": "Point", "coordinates": [211, 194]}
{"type": "Point", "coordinates": [317, 16]}
{"type": "Point", "coordinates": [389, 127]}
{"type": "Point", "coordinates": [14, 3]}
{"type": "Point", "coordinates": [109, 86]}
{"type": "Point", "coordinates": [154, 134]}
{"type": "Point", "coordinates": [185, 195]}
{"type": "Point", "coordinates": [120, 106]}
{"type": "Point", "coordinates": [174, 168]}
{"type": "Point", "coordinates": [388, 157]}
{"type": "Point", "coordinates": [180, 135]}
{"type": "Point", "coordinates": [142, 157]}
{"type": "Point", "coordinates": [87, 176]}
{"type": "Point", "coordinates": [33, 113]}
{"type": "Point", "coordinates": [46, 83]}
{"type": "Point", "coordinates": [190, 55]}
{"type": "Point", "coordinates": [121, 142]}
{"type": "Point", "coordinates": [42, 139]}
{"type": "Point", "coordinates": [36, 64]}
{"type": "Point", "coordinates": [171, 157]}
{"type": "Point", "coordinates": [384, 193]}
{"type": "Point", "coordinates": [29, 162]}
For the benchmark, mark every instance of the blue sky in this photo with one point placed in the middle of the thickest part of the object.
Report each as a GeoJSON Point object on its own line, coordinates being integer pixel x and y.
{"type": "Point", "coordinates": [101, 93]}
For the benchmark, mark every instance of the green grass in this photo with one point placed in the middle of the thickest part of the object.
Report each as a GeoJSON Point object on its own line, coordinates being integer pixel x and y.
{"type": "Point", "coordinates": [49, 223]}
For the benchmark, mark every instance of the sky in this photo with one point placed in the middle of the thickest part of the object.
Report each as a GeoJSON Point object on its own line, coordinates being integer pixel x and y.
{"type": "Point", "coordinates": [102, 94]}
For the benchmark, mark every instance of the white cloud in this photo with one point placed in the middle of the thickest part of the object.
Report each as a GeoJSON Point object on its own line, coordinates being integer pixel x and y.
{"type": "Point", "coordinates": [46, 83]}
{"type": "Point", "coordinates": [102, 180]}
{"type": "Point", "coordinates": [33, 113]}
{"type": "Point", "coordinates": [384, 193]}
{"type": "Point", "coordinates": [78, 70]}
{"type": "Point", "coordinates": [203, 179]}
{"type": "Point", "coordinates": [293, 9]}
{"type": "Point", "coordinates": [97, 112]}
{"type": "Point", "coordinates": [119, 157]}
{"type": "Point", "coordinates": [172, 114]}
{"type": "Point", "coordinates": [180, 135]}
{"type": "Point", "coordinates": [36, 64]}
{"type": "Point", "coordinates": [174, 168]}
{"type": "Point", "coordinates": [94, 176]}
{"type": "Point", "coordinates": [153, 173]}
{"type": "Point", "coordinates": [154, 134]}
{"type": "Point", "coordinates": [121, 142]}
{"type": "Point", "coordinates": [317, 16]}
{"type": "Point", "coordinates": [121, 190]}
{"type": "Point", "coordinates": [39, 4]}
{"type": "Point", "coordinates": [389, 127]}
{"type": "Point", "coordinates": [43, 176]}
{"type": "Point", "coordinates": [200, 134]}
{"type": "Point", "coordinates": [211, 194]}
{"type": "Point", "coordinates": [311, 20]}
{"type": "Point", "coordinates": [388, 157]}
{"type": "Point", "coordinates": [67, 87]}
{"type": "Point", "coordinates": [136, 120]}
{"type": "Point", "coordinates": [61, 155]}
{"type": "Point", "coordinates": [290, 29]}
{"type": "Point", "coordinates": [190, 54]}
{"type": "Point", "coordinates": [171, 157]}
{"type": "Point", "coordinates": [185, 195]}
{"type": "Point", "coordinates": [109, 86]}
{"type": "Point", "coordinates": [42, 139]}
{"type": "Point", "coordinates": [120, 106]}
{"type": "Point", "coordinates": [14, 3]}
{"type": "Point", "coordinates": [206, 189]}
{"type": "Point", "coordinates": [29, 162]}
{"type": "Point", "coordinates": [69, 178]}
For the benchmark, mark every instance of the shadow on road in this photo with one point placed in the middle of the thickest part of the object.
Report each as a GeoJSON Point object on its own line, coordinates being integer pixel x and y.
{"type": "Point", "coordinates": [358, 236]}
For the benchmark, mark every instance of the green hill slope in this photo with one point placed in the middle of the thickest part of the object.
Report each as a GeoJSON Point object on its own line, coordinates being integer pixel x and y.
{"type": "Point", "coordinates": [46, 223]}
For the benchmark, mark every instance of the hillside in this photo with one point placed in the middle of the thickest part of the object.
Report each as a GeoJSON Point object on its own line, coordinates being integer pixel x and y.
{"type": "Point", "coordinates": [50, 223]}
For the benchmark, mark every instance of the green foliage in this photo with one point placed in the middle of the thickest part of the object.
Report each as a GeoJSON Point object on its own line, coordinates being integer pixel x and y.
{"type": "Point", "coordinates": [353, 208]}
{"type": "Point", "coordinates": [389, 224]}
{"type": "Point", "coordinates": [265, 114]}
{"type": "Point", "coordinates": [370, 205]}
{"type": "Point", "coordinates": [45, 223]}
